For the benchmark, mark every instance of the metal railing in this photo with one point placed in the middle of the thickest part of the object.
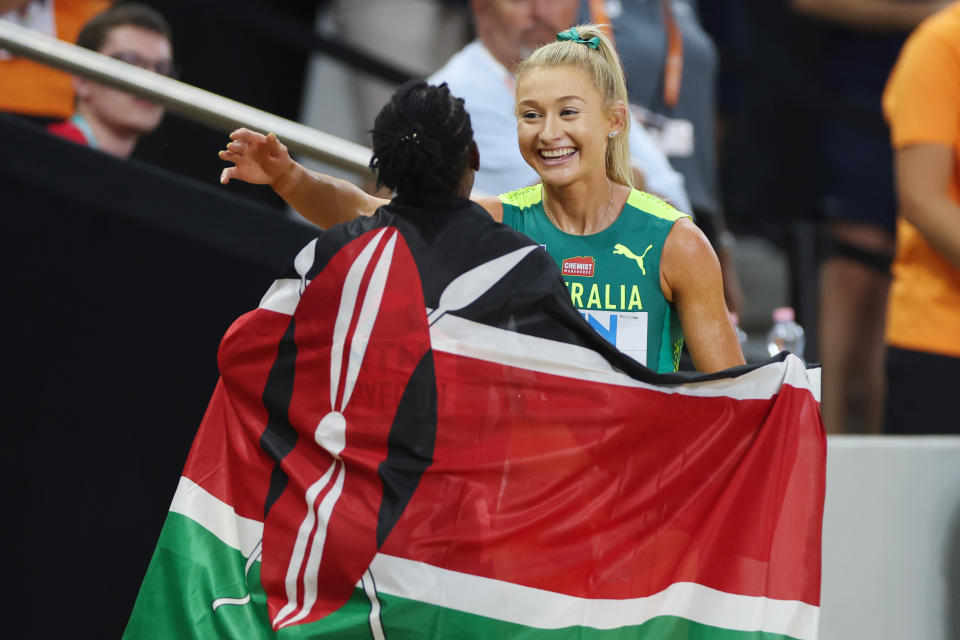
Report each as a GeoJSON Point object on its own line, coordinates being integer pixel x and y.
{"type": "Point", "coordinates": [181, 98]}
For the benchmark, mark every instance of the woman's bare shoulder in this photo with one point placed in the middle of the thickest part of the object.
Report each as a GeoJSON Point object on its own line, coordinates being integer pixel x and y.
{"type": "Point", "coordinates": [491, 205]}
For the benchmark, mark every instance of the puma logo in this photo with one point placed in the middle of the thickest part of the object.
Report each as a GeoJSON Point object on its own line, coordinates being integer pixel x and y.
{"type": "Point", "coordinates": [621, 250]}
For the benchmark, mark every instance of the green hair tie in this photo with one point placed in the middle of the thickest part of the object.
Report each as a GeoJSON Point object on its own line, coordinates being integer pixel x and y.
{"type": "Point", "coordinates": [572, 35]}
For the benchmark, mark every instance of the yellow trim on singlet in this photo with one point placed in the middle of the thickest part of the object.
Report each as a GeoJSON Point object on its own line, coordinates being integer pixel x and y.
{"type": "Point", "coordinates": [646, 202]}
{"type": "Point", "coordinates": [523, 198]}
{"type": "Point", "coordinates": [649, 203]}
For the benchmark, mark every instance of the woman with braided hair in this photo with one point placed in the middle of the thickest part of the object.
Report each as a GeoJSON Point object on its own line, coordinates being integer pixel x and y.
{"type": "Point", "coordinates": [640, 272]}
{"type": "Point", "coordinates": [422, 145]}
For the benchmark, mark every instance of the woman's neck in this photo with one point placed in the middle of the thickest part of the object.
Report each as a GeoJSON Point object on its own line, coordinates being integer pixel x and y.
{"type": "Point", "coordinates": [586, 206]}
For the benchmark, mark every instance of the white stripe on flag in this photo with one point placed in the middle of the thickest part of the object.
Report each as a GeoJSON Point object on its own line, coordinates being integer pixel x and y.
{"type": "Point", "coordinates": [302, 542]}
{"type": "Point", "coordinates": [217, 517]}
{"type": "Point", "coordinates": [526, 605]}
{"type": "Point", "coordinates": [315, 556]}
{"type": "Point", "coordinates": [814, 375]}
{"type": "Point", "coordinates": [348, 300]}
{"type": "Point", "coordinates": [467, 287]}
{"type": "Point", "coordinates": [370, 588]}
{"type": "Point", "coordinates": [369, 310]}
{"type": "Point", "coordinates": [283, 296]}
{"type": "Point", "coordinates": [549, 610]}
{"type": "Point", "coordinates": [455, 335]}
{"type": "Point", "coordinates": [304, 259]}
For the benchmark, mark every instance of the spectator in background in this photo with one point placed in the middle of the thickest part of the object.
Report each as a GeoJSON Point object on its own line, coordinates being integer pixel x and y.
{"type": "Point", "coordinates": [922, 106]}
{"type": "Point", "coordinates": [416, 35]}
{"type": "Point", "coordinates": [858, 47]}
{"type": "Point", "coordinates": [110, 119]}
{"type": "Point", "coordinates": [32, 89]}
{"type": "Point", "coordinates": [482, 73]}
{"type": "Point", "coordinates": [671, 67]}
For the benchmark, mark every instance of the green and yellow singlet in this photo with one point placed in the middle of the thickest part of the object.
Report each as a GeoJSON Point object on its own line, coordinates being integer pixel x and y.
{"type": "Point", "coordinates": [613, 276]}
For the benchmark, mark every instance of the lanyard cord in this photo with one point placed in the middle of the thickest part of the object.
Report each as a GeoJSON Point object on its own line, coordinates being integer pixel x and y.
{"type": "Point", "coordinates": [600, 17]}
{"type": "Point", "coordinates": [673, 66]}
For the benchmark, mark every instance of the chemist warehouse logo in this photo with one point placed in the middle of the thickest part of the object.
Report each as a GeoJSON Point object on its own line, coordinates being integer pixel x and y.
{"type": "Point", "coordinates": [579, 266]}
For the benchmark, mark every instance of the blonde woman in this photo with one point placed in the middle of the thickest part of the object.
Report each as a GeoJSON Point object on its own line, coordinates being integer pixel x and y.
{"type": "Point", "coordinates": [640, 272]}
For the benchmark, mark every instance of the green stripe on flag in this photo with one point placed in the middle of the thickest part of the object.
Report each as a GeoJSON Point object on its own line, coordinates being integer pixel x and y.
{"type": "Point", "coordinates": [403, 622]}
{"type": "Point", "coordinates": [191, 568]}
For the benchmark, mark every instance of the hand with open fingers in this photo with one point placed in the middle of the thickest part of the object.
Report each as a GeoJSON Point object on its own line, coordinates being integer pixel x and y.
{"type": "Point", "coordinates": [256, 158]}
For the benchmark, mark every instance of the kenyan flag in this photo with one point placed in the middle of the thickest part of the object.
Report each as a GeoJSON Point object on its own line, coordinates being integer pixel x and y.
{"type": "Point", "coordinates": [416, 436]}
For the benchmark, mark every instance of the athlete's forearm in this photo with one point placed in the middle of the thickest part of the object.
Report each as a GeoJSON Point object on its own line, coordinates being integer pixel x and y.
{"type": "Point", "coordinates": [322, 199]}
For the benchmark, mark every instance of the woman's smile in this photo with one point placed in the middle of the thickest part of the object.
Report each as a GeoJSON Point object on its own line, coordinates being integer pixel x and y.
{"type": "Point", "coordinates": [557, 156]}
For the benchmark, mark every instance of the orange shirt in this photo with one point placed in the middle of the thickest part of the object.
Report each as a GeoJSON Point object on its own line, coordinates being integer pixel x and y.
{"type": "Point", "coordinates": [922, 105]}
{"type": "Point", "coordinates": [34, 89]}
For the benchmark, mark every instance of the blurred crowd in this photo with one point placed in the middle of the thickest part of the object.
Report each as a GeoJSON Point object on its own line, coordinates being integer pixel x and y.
{"type": "Point", "coordinates": [759, 117]}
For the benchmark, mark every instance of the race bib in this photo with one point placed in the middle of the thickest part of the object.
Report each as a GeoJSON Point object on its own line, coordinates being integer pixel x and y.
{"type": "Point", "coordinates": [626, 330]}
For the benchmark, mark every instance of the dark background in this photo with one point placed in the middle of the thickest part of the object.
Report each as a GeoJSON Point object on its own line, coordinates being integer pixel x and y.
{"type": "Point", "coordinates": [121, 280]}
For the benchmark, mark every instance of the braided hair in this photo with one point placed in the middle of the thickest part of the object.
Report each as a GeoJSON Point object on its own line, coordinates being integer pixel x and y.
{"type": "Point", "coordinates": [421, 140]}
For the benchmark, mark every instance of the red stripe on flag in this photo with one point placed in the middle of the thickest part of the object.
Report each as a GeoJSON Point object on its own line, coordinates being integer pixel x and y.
{"type": "Point", "coordinates": [226, 458]}
{"type": "Point", "coordinates": [601, 491]}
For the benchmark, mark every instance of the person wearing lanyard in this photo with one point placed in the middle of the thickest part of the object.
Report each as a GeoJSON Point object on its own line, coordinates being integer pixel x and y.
{"type": "Point", "coordinates": [109, 119]}
{"type": "Point", "coordinates": [670, 63]}
{"type": "Point", "coordinates": [483, 74]}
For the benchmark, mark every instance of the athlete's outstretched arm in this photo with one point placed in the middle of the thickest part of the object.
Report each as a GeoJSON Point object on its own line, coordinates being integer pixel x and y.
{"type": "Point", "coordinates": [321, 199]}
{"type": "Point", "coordinates": [690, 277]}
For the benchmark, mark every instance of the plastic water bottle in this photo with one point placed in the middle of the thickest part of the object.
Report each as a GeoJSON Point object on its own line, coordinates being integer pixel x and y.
{"type": "Point", "coordinates": [785, 334]}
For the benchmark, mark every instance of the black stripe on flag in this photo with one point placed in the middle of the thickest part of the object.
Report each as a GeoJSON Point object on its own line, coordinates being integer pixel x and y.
{"type": "Point", "coordinates": [409, 445]}
{"type": "Point", "coordinates": [279, 438]}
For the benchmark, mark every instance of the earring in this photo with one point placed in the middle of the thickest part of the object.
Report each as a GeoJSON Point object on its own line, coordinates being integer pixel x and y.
{"type": "Point", "coordinates": [613, 134]}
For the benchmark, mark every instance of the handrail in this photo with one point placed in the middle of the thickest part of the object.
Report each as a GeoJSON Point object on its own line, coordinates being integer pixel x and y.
{"type": "Point", "coordinates": [189, 101]}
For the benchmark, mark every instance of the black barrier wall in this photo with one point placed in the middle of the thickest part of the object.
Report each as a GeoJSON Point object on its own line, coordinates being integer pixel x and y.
{"type": "Point", "coordinates": [121, 280]}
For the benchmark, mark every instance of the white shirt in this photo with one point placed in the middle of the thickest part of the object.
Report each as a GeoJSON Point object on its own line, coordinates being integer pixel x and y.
{"type": "Point", "coordinates": [38, 15]}
{"type": "Point", "coordinates": [487, 89]}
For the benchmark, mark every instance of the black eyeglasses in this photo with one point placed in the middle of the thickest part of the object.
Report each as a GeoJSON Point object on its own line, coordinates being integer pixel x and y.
{"type": "Point", "coordinates": [163, 67]}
